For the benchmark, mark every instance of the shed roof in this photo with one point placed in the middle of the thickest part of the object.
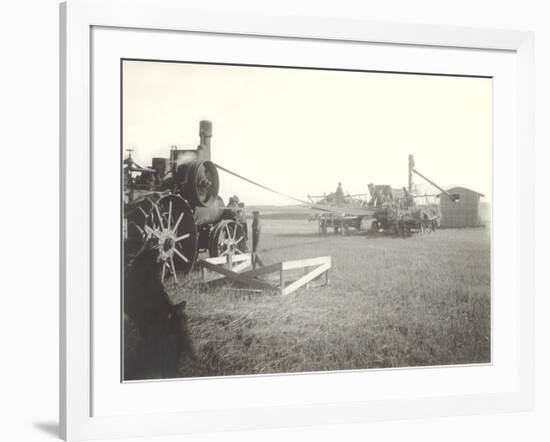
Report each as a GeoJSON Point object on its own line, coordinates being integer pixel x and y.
{"type": "Point", "coordinates": [451, 189]}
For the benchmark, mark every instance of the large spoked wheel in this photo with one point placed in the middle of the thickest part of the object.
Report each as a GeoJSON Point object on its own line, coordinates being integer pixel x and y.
{"type": "Point", "coordinates": [227, 238]}
{"type": "Point", "coordinates": [171, 224]}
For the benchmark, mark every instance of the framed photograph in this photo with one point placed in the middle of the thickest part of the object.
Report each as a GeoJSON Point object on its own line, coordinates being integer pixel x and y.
{"type": "Point", "coordinates": [275, 221]}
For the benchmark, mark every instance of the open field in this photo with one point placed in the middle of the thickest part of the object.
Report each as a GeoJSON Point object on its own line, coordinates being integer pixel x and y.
{"type": "Point", "coordinates": [292, 212]}
{"type": "Point", "coordinates": [391, 302]}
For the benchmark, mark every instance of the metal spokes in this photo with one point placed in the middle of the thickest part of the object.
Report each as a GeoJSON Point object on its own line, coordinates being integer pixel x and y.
{"type": "Point", "coordinates": [228, 238]}
{"type": "Point", "coordinates": [171, 224]}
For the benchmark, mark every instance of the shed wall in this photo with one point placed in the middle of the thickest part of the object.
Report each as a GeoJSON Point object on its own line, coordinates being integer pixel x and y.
{"type": "Point", "coordinates": [464, 213]}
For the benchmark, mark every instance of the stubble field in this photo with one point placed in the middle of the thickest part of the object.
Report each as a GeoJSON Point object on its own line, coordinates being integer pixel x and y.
{"type": "Point", "coordinates": [391, 302]}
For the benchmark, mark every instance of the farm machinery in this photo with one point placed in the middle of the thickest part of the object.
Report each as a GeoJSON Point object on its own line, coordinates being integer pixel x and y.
{"type": "Point", "coordinates": [398, 213]}
{"type": "Point", "coordinates": [175, 204]}
{"type": "Point", "coordinates": [389, 210]}
{"type": "Point", "coordinates": [339, 213]}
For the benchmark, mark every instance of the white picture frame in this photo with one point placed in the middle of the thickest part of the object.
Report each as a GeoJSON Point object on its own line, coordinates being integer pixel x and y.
{"type": "Point", "coordinates": [78, 18]}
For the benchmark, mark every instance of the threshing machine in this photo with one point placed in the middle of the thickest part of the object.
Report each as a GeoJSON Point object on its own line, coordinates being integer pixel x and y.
{"type": "Point", "coordinates": [389, 210]}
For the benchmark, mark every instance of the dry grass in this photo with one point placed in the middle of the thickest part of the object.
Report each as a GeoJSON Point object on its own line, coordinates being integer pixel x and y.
{"type": "Point", "coordinates": [392, 302]}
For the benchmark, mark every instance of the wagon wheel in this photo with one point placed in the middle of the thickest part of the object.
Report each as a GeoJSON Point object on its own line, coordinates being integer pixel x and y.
{"type": "Point", "coordinates": [227, 238]}
{"type": "Point", "coordinates": [171, 223]}
{"type": "Point", "coordinates": [322, 227]}
{"type": "Point", "coordinates": [374, 229]}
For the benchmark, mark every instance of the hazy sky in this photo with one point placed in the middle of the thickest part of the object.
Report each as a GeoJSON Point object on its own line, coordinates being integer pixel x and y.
{"type": "Point", "coordinates": [301, 131]}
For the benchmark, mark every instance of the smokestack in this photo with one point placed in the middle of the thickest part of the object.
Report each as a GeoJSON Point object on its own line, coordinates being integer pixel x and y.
{"type": "Point", "coordinates": [411, 168]}
{"type": "Point", "coordinates": [205, 133]}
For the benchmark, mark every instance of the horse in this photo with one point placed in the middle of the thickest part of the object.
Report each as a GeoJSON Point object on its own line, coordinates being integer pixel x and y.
{"type": "Point", "coordinates": [162, 327]}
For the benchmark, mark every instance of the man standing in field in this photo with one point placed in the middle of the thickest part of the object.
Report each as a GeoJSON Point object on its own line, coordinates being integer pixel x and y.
{"type": "Point", "coordinates": [241, 218]}
{"type": "Point", "coordinates": [233, 202]}
{"type": "Point", "coordinates": [339, 194]}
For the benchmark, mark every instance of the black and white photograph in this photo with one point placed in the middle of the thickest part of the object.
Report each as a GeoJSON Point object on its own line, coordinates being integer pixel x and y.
{"type": "Point", "coordinates": [293, 220]}
{"type": "Point", "coordinates": [286, 219]}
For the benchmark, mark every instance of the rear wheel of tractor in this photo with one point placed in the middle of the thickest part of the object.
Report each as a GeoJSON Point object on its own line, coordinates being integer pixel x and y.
{"type": "Point", "coordinates": [172, 226]}
{"type": "Point", "coordinates": [226, 238]}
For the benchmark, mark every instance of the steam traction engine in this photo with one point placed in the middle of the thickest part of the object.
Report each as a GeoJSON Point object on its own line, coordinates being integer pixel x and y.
{"type": "Point", "coordinates": [175, 204]}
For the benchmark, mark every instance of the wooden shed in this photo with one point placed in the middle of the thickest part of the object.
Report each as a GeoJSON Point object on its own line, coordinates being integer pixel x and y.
{"type": "Point", "coordinates": [462, 213]}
